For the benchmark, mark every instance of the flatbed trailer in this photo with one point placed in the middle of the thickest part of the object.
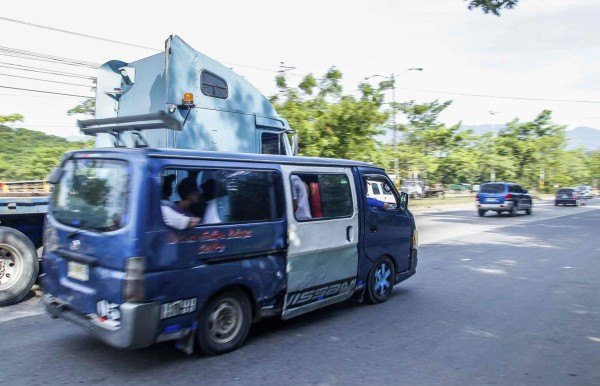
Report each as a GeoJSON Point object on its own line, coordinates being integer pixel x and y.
{"type": "Point", "coordinates": [23, 207]}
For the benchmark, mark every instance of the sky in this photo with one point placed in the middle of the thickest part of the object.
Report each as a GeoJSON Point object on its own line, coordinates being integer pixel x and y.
{"type": "Point", "coordinates": [543, 54]}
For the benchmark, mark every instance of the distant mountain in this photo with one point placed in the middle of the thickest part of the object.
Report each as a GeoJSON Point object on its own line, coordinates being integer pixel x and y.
{"type": "Point", "coordinates": [586, 137]}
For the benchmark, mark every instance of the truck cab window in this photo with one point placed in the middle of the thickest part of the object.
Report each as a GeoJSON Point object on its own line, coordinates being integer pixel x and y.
{"type": "Point", "coordinates": [213, 85]}
{"type": "Point", "coordinates": [272, 143]}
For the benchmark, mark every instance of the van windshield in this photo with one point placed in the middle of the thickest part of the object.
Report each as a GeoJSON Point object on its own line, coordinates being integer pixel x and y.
{"type": "Point", "coordinates": [92, 194]}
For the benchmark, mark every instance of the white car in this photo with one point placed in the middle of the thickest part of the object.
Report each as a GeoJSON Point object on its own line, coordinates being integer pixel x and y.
{"type": "Point", "coordinates": [380, 191]}
{"type": "Point", "coordinates": [585, 191]}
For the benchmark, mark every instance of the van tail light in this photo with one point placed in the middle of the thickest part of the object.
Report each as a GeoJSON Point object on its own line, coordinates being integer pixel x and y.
{"type": "Point", "coordinates": [133, 284]}
{"type": "Point", "coordinates": [508, 196]}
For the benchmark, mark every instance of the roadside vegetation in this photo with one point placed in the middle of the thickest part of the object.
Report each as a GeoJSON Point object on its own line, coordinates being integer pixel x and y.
{"type": "Point", "coordinates": [28, 154]}
{"type": "Point", "coordinates": [331, 123]}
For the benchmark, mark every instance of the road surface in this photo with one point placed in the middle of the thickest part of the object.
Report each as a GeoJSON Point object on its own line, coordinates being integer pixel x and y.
{"type": "Point", "coordinates": [496, 301]}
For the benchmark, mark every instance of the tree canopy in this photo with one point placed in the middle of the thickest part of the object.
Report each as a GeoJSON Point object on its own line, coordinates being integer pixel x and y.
{"type": "Point", "coordinates": [492, 6]}
{"type": "Point", "coordinates": [28, 154]}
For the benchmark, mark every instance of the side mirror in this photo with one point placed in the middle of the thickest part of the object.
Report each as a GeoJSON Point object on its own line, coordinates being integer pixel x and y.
{"type": "Point", "coordinates": [55, 176]}
{"type": "Point", "coordinates": [524, 190]}
{"type": "Point", "coordinates": [403, 204]}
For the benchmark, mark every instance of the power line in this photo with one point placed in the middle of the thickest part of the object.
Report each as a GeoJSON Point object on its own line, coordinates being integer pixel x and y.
{"type": "Point", "coordinates": [46, 92]}
{"type": "Point", "coordinates": [502, 97]}
{"type": "Point", "coordinates": [20, 67]}
{"type": "Point", "coordinates": [38, 96]}
{"type": "Point", "coordinates": [127, 44]}
{"type": "Point", "coordinates": [8, 51]}
{"type": "Point", "coordinates": [47, 80]}
{"type": "Point", "coordinates": [76, 33]}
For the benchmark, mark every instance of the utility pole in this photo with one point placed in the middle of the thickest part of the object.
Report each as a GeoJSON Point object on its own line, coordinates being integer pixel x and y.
{"type": "Point", "coordinates": [392, 78]}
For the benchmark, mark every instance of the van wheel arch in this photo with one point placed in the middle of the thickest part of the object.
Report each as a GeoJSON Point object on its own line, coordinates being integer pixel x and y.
{"type": "Point", "coordinates": [232, 287]}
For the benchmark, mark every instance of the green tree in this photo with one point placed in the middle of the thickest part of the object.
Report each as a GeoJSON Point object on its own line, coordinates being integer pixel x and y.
{"type": "Point", "coordinates": [30, 155]}
{"type": "Point", "coordinates": [434, 148]}
{"type": "Point", "coordinates": [87, 107]}
{"type": "Point", "coordinates": [492, 6]}
{"type": "Point", "coordinates": [531, 148]}
{"type": "Point", "coordinates": [329, 123]}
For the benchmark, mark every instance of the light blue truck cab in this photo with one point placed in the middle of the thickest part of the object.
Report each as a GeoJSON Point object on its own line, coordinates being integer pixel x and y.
{"type": "Point", "coordinates": [113, 266]}
{"type": "Point", "coordinates": [217, 108]}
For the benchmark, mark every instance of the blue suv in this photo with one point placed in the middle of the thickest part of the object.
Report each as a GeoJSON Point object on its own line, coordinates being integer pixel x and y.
{"type": "Point", "coordinates": [503, 197]}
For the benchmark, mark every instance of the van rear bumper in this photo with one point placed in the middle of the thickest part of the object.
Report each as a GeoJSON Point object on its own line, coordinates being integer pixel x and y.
{"type": "Point", "coordinates": [138, 327]}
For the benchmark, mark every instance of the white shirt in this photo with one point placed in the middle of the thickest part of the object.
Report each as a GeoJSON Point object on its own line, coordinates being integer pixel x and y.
{"type": "Point", "coordinates": [300, 194]}
{"type": "Point", "coordinates": [211, 214]}
{"type": "Point", "coordinates": [173, 218]}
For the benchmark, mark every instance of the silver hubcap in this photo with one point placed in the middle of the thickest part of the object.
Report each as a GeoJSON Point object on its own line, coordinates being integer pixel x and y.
{"type": "Point", "coordinates": [11, 266]}
{"type": "Point", "coordinates": [381, 279]}
{"type": "Point", "coordinates": [225, 320]}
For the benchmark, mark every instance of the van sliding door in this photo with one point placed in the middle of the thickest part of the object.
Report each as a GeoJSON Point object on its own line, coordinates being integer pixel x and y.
{"type": "Point", "coordinates": [322, 257]}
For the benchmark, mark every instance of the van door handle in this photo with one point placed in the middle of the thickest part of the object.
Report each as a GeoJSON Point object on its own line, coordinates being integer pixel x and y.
{"type": "Point", "coordinates": [349, 234]}
{"type": "Point", "coordinates": [373, 228]}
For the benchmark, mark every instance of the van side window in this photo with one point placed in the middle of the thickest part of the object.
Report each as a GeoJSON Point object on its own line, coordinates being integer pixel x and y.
{"type": "Point", "coordinates": [272, 143]}
{"type": "Point", "coordinates": [228, 196]}
{"type": "Point", "coordinates": [327, 196]}
{"type": "Point", "coordinates": [213, 85]}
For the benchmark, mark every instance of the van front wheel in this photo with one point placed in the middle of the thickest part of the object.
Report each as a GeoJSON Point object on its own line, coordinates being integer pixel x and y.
{"type": "Point", "coordinates": [224, 323]}
{"type": "Point", "coordinates": [381, 281]}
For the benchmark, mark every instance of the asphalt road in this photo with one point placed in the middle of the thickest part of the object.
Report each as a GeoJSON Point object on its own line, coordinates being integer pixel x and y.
{"type": "Point", "coordinates": [496, 301]}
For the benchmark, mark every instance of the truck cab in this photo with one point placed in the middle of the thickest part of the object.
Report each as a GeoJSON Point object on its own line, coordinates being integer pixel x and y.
{"type": "Point", "coordinates": [217, 109]}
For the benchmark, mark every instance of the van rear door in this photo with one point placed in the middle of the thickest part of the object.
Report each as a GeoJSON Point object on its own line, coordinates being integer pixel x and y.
{"type": "Point", "coordinates": [322, 257]}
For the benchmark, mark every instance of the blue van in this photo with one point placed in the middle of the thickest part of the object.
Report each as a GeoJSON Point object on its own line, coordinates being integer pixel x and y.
{"type": "Point", "coordinates": [273, 236]}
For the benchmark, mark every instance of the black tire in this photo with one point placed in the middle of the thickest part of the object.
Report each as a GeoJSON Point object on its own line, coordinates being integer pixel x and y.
{"type": "Point", "coordinates": [514, 210]}
{"type": "Point", "coordinates": [381, 281]}
{"type": "Point", "coordinates": [530, 209]}
{"type": "Point", "coordinates": [19, 266]}
{"type": "Point", "coordinates": [555, 203]}
{"type": "Point", "coordinates": [233, 311]}
{"type": "Point", "coordinates": [481, 212]}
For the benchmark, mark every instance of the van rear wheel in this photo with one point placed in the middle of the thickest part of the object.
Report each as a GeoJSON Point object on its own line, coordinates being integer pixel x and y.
{"type": "Point", "coordinates": [19, 266]}
{"type": "Point", "coordinates": [224, 323]}
{"type": "Point", "coordinates": [381, 281]}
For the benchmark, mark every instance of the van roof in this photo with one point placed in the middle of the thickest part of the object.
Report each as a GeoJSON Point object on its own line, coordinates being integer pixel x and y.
{"type": "Point", "coordinates": [217, 155]}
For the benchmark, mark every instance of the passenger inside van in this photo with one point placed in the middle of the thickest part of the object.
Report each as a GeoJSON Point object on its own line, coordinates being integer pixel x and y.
{"type": "Point", "coordinates": [300, 198]}
{"type": "Point", "coordinates": [373, 202]}
{"type": "Point", "coordinates": [178, 215]}
{"type": "Point", "coordinates": [209, 197]}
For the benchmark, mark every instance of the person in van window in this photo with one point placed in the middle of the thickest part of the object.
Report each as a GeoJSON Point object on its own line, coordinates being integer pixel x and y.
{"type": "Point", "coordinates": [300, 198]}
{"type": "Point", "coordinates": [167, 190]}
{"type": "Point", "coordinates": [315, 200]}
{"type": "Point", "coordinates": [375, 202]}
{"type": "Point", "coordinates": [209, 196]}
{"type": "Point", "coordinates": [178, 216]}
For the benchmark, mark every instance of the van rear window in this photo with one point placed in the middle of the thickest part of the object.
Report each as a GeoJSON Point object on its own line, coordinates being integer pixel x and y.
{"type": "Point", "coordinates": [92, 194]}
{"type": "Point", "coordinates": [492, 188]}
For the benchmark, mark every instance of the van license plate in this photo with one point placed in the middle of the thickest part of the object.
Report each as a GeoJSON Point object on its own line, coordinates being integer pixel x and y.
{"type": "Point", "coordinates": [78, 271]}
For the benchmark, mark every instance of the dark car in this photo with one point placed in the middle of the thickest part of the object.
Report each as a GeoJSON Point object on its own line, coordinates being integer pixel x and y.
{"type": "Point", "coordinates": [503, 197]}
{"type": "Point", "coordinates": [568, 196]}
